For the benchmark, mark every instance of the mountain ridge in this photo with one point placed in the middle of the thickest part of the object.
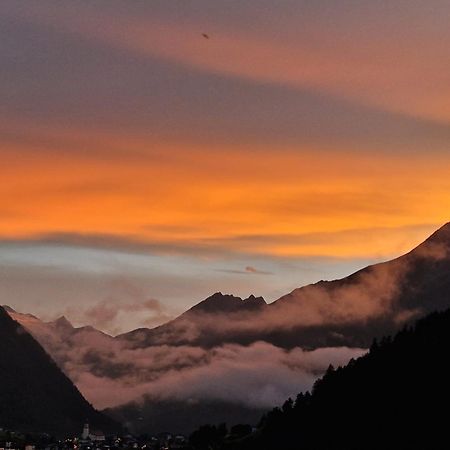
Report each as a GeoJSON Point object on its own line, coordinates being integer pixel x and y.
{"type": "Point", "coordinates": [392, 397]}
{"type": "Point", "coordinates": [388, 293]}
{"type": "Point", "coordinates": [36, 395]}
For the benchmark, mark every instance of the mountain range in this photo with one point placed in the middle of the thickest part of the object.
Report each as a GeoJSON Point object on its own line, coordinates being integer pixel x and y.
{"type": "Point", "coordinates": [347, 313]}
{"type": "Point", "coordinates": [373, 301]}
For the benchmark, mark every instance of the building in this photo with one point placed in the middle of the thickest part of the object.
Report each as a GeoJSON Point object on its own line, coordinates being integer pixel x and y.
{"type": "Point", "coordinates": [91, 436]}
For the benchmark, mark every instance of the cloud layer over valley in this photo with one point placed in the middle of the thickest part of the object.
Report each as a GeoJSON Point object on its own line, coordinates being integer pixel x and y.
{"type": "Point", "coordinates": [110, 373]}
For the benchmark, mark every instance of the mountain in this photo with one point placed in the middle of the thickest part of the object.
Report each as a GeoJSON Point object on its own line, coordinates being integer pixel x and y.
{"type": "Point", "coordinates": [377, 299]}
{"type": "Point", "coordinates": [350, 311]}
{"type": "Point", "coordinates": [220, 303]}
{"type": "Point", "coordinates": [66, 344]}
{"type": "Point", "coordinates": [35, 394]}
{"type": "Point", "coordinates": [52, 334]}
{"type": "Point", "coordinates": [393, 397]}
{"type": "Point", "coordinates": [194, 326]}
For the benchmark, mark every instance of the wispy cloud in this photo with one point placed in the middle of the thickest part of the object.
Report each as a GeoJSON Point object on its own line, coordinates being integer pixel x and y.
{"type": "Point", "coordinates": [350, 243]}
{"type": "Point", "coordinates": [107, 313]}
{"type": "Point", "coordinates": [332, 59]}
{"type": "Point", "coordinates": [248, 270]}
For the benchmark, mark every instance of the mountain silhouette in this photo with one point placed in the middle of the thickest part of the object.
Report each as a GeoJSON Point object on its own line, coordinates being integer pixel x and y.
{"type": "Point", "coordinates": [375, 300]}
{"type": "Point", "coordinates": [389, 294]}
{"type": "Point", "coordinates": [178, 331]}
{"type": "Point", "coordinates": [35, 394]}
{"type": "Point", "coordinates": [218, 303]}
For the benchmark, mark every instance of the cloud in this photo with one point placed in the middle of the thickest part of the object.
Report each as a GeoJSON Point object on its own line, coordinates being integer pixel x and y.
{"type": "Point", "coordinates": [260, 375]}
{"type": "Point", "coordinates": [248, 270]}
{"type": "Point", "coordinates": [109, 372]}
{"type": "Point", "coordinates": [331, 60]}
{"type": "Point", "coordinates": [347, 243]}
{"type": "Point", "coordinates": [106, 313]}
{"type": "Point", "coordinates": [251, 269]}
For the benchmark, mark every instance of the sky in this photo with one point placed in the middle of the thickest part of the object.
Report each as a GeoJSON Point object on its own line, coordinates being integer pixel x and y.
{"type": "Point", "coordinates": [144, 164]}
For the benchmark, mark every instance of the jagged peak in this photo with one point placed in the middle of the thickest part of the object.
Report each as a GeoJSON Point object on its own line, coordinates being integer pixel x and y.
{"type": "Point", "coordinates": [219, 302]}
{"type": "Point", "coordinates": [8, 309]}
{"type": "Point", "coordinates": [219, 295]}
{"type": "Point", "coordinates": [62, 322]}
{"type": "Point", "coordinates": [253, 299]}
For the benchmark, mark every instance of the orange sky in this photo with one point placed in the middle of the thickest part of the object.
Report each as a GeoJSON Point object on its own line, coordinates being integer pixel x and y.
{"type": "Point", "coordinates": [241, 201]}
{"type": "Point", "coordinates": [303, 139]}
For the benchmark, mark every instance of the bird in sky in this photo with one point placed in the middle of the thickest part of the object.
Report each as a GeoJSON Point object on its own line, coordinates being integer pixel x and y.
{"type": "Point", "coordinates": [205, 35]}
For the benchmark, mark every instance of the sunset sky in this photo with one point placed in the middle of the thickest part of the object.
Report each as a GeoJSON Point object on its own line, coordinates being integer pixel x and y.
{"type": "Point", "coordinates": [142, 161]}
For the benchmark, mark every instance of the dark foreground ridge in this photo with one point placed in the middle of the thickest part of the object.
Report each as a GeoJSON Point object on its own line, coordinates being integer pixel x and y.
{"type": "Point", "coordinates": [35, 395]}
{"type": "Point", "coordinates": [394, 397]}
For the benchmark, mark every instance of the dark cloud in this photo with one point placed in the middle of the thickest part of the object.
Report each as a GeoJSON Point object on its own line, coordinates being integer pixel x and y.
{"type": "Point", "coordinates": [251, 269]}
{"type": "Point", "coordinates": [248, 270]}
{"type": "Point", "coordinates": [111, 88]}
{"type": "Point", "coordinates": [209, 246]}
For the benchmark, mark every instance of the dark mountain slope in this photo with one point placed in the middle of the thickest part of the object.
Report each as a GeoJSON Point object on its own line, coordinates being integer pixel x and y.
{"type": "Point", "coordinates": [395, 397]}
{"type": "Point", "coordinates": [35, 395]}
{"type": "Point", "coordinates": [375, 300]}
